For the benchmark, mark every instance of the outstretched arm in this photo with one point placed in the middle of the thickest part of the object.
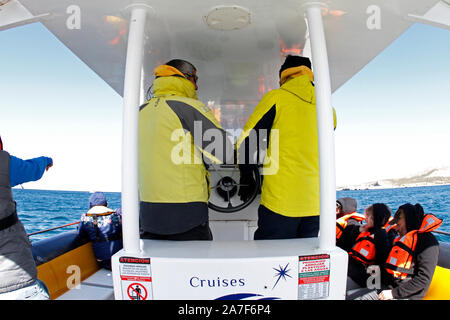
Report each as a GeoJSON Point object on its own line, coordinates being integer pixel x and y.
{"type": "Point", "coordinates": [22, 171]}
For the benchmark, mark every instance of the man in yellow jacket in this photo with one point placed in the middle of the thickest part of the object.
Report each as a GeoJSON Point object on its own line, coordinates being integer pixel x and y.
{"type": "Point", "coordinates": [173, 181]}
{"type": "Point", "coordinates": [290, 190]}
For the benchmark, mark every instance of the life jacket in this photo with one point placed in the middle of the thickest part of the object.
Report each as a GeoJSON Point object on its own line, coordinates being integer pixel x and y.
{"type": "Point", "coordinates": [400, 260]}
{"type": "Point", "coordinates": [364, 248]}
{"type": "Point", "coordinates": [103, 228]}
{"type": "Point", "coordinates": [388, 227]}
{"type": "Point", "coordinates": [342, 222]}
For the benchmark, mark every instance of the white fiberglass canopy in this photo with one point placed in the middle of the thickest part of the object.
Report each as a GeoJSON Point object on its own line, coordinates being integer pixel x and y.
{"type": "Point", "coordinates": [237, 46]}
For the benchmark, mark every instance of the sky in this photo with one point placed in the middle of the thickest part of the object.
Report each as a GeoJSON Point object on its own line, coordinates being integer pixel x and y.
{"type": "Point", "coordinates": [392, 116]}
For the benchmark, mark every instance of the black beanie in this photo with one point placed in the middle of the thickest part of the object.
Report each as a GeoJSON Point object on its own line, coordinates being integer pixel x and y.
{"type": "Point", "coordinates": [295, 61]}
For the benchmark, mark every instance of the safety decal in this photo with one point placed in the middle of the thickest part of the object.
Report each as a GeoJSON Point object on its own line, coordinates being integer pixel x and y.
{"type": "Point", "coordinates": [314, 276]}
{"type": "Point", "coordinates": [135, 278]}
{"type": "Point", "coordinates": [136, 291]}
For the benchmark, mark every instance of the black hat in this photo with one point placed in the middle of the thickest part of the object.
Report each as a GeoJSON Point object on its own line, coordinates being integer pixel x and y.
{"type": "Point", "coordinates": [295, 61]}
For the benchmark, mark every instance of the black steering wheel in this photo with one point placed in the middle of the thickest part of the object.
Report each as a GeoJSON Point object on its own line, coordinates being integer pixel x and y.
{"type": "Point", "coordinates": [225, 185]}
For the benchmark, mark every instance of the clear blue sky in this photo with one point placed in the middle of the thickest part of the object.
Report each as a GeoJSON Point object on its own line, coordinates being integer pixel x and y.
{"type": "Point", "coordinates": [56, 106]}
{"type": "Point", "coordinates": [392, 116]}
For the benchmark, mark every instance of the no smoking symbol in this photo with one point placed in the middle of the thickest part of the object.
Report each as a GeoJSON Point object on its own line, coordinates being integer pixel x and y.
{"type": "Point", "coordinates": [136, 291]}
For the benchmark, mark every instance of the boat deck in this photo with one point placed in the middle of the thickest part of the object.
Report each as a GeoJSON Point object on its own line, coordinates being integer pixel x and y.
{"type": "Point", "coordinates": [99, 286]}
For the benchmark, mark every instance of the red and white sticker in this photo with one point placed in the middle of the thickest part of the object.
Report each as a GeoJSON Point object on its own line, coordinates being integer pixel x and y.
{"type": "Point", "coordinates": [137, 291]}
{"type": "Point", "coordinates": [135, 278]}
{"type": "Point", "coordinates": [313, 276]}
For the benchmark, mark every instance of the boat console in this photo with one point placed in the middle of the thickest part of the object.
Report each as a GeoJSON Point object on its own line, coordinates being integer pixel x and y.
{"type": "Point", "coordinates": [232, 266]}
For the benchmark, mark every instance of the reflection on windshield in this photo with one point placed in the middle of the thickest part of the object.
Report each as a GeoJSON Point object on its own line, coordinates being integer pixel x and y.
{"type": "Point", "coordinates": [232, 115]}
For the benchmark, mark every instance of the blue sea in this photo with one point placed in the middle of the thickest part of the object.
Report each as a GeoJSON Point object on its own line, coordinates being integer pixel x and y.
{"type": "Point", "coordinates": [41, 209]}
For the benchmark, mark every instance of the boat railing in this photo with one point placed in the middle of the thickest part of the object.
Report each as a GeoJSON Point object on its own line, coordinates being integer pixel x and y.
{"type": "Point", "coordinates": [74, 223]}
{"type": "Point", "coordinates": [442, 232]}
{"type": "Point", "coordinates": [51, 229]}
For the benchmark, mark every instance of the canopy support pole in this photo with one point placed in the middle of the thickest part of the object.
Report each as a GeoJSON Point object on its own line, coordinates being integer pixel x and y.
{"type": "Point", "coordinates": [131, 99]}
{"type": "Point", "coordinates": [325, 124]}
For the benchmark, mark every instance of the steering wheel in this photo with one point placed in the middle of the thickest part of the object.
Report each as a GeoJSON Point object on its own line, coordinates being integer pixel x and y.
{"type": "Point", "coordinates": [225, 185]}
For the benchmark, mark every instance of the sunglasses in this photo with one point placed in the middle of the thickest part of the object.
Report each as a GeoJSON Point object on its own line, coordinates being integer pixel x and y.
{"type": "Point", "coordinates": [190, 75]}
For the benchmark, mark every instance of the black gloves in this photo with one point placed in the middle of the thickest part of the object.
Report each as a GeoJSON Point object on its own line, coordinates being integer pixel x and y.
{"type": "Point", "coordinates": [247, 185]}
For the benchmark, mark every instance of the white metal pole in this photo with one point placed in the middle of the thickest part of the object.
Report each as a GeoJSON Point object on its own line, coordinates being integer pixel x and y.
{"type": "Point", "coordinates": [131, 99]}
{"type": "Point", "coordinates": [325, 126]}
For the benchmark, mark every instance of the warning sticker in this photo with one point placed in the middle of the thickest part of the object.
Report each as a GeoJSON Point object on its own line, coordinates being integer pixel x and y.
{"type": "Point", "coordinates": [314, 276]}
{"type": "Point", "coordinates": [136, 291]}
{"type": "Point", "coordinates": [135, 278]}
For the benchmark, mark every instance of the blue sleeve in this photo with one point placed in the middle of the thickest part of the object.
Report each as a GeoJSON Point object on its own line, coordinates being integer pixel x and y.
{"type": "Point", "coordinates": [21, 171]}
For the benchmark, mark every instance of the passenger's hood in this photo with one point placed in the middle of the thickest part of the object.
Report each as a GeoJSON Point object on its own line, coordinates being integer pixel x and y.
{"type": "Point", "coordinates": [381, 214]}
{"type": "Point", "coordinates": [302, 87]}
{"type": "Point", "coordinates": [413, 217]}
{"type": "Point", "coordinates": [348, 205]}
{"type": "Point", "coordinates": [173, 86]}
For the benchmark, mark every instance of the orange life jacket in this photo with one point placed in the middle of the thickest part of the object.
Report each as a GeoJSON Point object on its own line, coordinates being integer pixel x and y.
{"type": "Point", "coordinates": [388, 227]}
{"type": "Point", "coordinates": [342, 222]}
{"type": "Point", "coordinates": [364, 248]}
{"type": "Point", "coordinates": [400, 260]}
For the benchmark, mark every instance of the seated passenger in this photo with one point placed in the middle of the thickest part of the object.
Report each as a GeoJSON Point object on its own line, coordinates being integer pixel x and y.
{"type": "Point", "coordinates": [346, 215]}
{"type": "Point", "coordinates": [102, 226]}
{"type": "Point", "coordinates": [409, 275]}
{"type": "Point", "coordinates": [367, 244]}
{"type": "Point", "coordinates": [410, 264]}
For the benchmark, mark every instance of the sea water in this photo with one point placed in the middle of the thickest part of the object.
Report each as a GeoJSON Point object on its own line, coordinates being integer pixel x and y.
{"type": "Point", "coordinates": [42, 209]}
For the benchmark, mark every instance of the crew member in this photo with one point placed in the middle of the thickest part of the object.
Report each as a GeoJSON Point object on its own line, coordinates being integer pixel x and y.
{"type": "Point", "coordinates": [175, 133]}
{"type": "Point", "coordinates": [290, 189]}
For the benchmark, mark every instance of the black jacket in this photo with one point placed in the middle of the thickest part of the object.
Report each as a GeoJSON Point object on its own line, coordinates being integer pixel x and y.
{"type": "Point", "coordinates": [356, 270]}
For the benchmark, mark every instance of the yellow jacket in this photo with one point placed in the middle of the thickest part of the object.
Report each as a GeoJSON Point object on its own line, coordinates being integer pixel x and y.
{"type": "Point", "coordinates": [171, 168]}
{"type": "Point", "coordinates": [291, 165]}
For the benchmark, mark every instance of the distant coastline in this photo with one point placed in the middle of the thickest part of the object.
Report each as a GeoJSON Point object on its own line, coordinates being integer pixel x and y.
{"type": "Point", "coordinates": [427, 178]}
{"type": "Point", "coordinates": [379, 187]}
